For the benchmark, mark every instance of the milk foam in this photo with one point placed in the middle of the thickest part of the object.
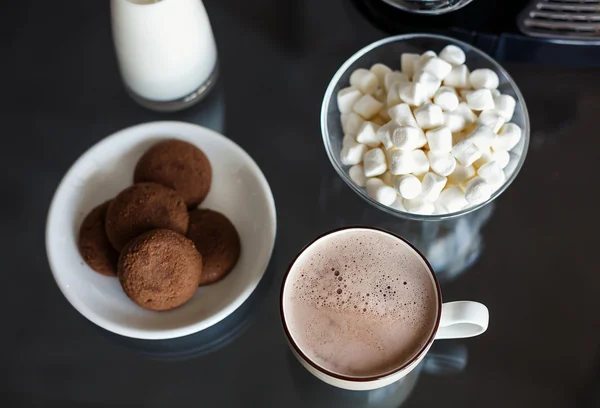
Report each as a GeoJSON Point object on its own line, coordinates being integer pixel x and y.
{"type": "Point", "coordinates": [360, 302]}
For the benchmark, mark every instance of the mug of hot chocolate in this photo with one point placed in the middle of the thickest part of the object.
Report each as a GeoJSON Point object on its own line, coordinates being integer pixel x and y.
{"type": "Point", "coordinates": [361, 307]}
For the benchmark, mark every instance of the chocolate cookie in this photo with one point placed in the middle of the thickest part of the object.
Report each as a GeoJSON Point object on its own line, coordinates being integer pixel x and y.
{"type": "Point", "coordinates": [160, 269]}
{"type": "Point", "coordinates": [94, 245]}
{"type": "Point", "coordinates": [143, 207]}
{"type": "Point", "coordinates": [178, 165]}
{"type": "Point", "coordinates": [217, 240]}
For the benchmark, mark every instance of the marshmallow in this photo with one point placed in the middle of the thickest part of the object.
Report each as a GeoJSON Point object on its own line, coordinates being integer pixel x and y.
{"type": "Point", "coordinates": [453, 55]}
{"type": "Point", "coordinates": [492, 173]}
{"type": "Point", "coordinates": [440, 139]}
{"type": "Point", "coordinates": [420, 162]}
{"type": "Point", "coordinates": [418, 206]}
{"type": "Point", "coordinates": [430, 82]}
{"type": "Point", "coordinates": [452, 199]}
{"type": "Point", "coordinates": [505, 106]}
{"type": "Point", "coordinates": [508, 137]}
{"type": "Point", "coordinates": [466, 112]}
{"type": "Point", "coordinates": [446, 98]}
{"type": "Point", "coordinates": [407, 137]}
{"type": "Point", "coordinates": [477, 190]}
{"type": "Point", "coordinates": [348, 139]}
{"type": "Point", "coordinates": [397, 204]}
{"type": "Point", "coordinates": [393, 95]}
{"type": "Point", "coordinates": [367, 134]}
{"type": "Point", "coordinates": [401, 162]}
{"type": "Point", "coordinates": [394, 77]}
{"type": "Point", "coordinates": [441, 163]}
{"type": "Point", "coordinates": [464, 92]}
{"type": "Point", "coordinates": [431, 186]}
{"type": "Point", "coordinates": [501, 156]}
{"type": "Point", "coordinates": [357, 175]}
{"type": "Point", "coordinates": [367, 106]}
{"type": "Point", "coordinates": [437, 67]}
{"type": "Point", "coordinates": [402, 115]}
{"type": "Point", "coordinates": [458, 77]}
{"type": "Point", "coordinates": [352, 153]}
{"type": "Point", "coordinates": [374, 162]}
{"type": "Point", "coordinates": [461, 174]}
{"type": "Point", "coordinates": [380, 95]}
{"type": "Point", "coordinates": [511, 163]}
{"type": "Point", "coordinates": [429, 116]}
{"type": "Point", "coordinates": [482, 137]}
{"type": "Point", "coordinates": [346, 98]}
{"type": "Point", "coordinates": [379, 121]}
{"type": "Point", "coordinates": [380, 70]}
{"type": "Point", "coordinates": [484, 78]}
{"type": "Point", "coordinates": [384, 115]}
{"type": "Point", "coordinates": [491, 119]}
{"type": "Point", "coordinates": [407, 185]}
{"type": "Point", "coordinates": [413, 93]}
{"type": "Point", "coordinates": [385, 132]}
{"type": "Point", "coordinates": [454, 121]}
{"type": "Point", "coordinates": [380, 192]}
{"type": "Point", "coordinates": [465, 152]}
{"type": "Point", "coordinates": [407, 62]}
{"type": "Point", "coordinates": [387, 178]}
{"type": "Point", "coordinates": [423, 58]}
{"type": "Point", "coordinates": [364, 80]}
{"type": "Point", "coordinates": [352, 123]}
{"type": "Point", "coordinates": [480, 99]}
{"type": "Point", "coordinates": [486, 157]}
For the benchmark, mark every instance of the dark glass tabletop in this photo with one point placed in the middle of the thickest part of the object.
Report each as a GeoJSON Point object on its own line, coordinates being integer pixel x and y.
{"type": "Point", "coordinates": [530, 256]}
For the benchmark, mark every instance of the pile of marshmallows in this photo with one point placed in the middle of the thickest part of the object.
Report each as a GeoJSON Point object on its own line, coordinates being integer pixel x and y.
{"type": "Point", "coordinates": [422, 147]}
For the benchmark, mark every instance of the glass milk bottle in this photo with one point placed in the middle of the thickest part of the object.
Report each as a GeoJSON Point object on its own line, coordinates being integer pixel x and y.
{"type": "Point", "coordinates": [166, 51]}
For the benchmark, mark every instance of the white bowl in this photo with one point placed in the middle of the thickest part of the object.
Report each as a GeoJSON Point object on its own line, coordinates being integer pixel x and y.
{"type": "Point", "coordinates": [239, 190]}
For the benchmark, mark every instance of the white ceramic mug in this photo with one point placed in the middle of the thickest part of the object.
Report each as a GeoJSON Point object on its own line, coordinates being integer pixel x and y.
{"type": "Point", "coordinates": [454, 320]}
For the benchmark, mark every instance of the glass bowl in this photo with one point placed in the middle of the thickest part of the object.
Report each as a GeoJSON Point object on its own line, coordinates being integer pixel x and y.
{"type": "Point", "coordinates": [387, 51]}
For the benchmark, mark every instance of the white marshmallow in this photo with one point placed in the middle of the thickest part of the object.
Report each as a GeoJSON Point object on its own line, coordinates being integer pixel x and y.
{"type": "Point", "coordinates": [480, 99]}
{"type": "Point", "coordinates": [413, 93]}
{"type": "Point", "coordinates": [431, 186]}
{"type": "Point", "coordinates": [352, 153]}
{"type": "Point", "coordinates": [452, 199]}
{"type": "Point", "coordinates": [486, 157]}
{"type": "Point", "coordinates": [357, 175]}
{"type": "Point", "coordinates": [387, 178]}
{"type": "Point", "coordinates": [511, 163]}
{"type": "Point", "coordinates": [420, 162]}
{"type": "Point", "coordinates": [508, 137]}
{"type": "Point", "coordinates": [348, 139]}
{"type": "Point", "coordinates": [380, 94]}
{"type": "Point", "coordinates": [465, 152]}
{"type": "Point", "coordinates": [458, 77]}
{"type": "Point", "coordinates": [429, 116]}
{"type": "Point", "coordinates": [446, 98]}
{"type": "Point", "coordinates": [502, 157]}
{"type": "Point", "coordinates": [505, 106]}
{"type": "Point", "coordinates": [407, 185]}
{"type": "Point", "coordinates": [352, 123]}
{"type": "Point", "coordinates": [380, 70]}
{"type": "Point", "coordinates": [464, 92]}
{"type": "Point", "coordinates": [429, 81]}
{"type": "Point", "coordinates": [491, 119]}
{"type": "Point", "coordinates": [380, 192]}
{"type": "Point", "coordinates": [394, 77]}
{"type": "Point", "coordinates": [477, 190]}
{"type": "Point", "coordinates": [440, 139]}
{"type": "Point", "coordinates": [367, 134]}
{"type": "Point", "coordinates": [401, 162]}
{"type": "Point", "coordinates": [393, 95]}
{"type": "Point", "coordinates": [407, 63]}
{"type": "Point", "coordinates": [346, 98]}
{"type": "Point", "coordinates": [364, 80]}
{"type": "Point", "coordinates": [454, 121]}
{"type": "Point", "coordinates": [482, 137]}
{"type": "Point", "coordinates": [484, 78]}
{"type": "Point", "coordinates": [367, 106]}
{"type": "Point", "coordinates": [423, 58]}
{"type": "Point", "coordinates": [374, 162]}
{"type": "Point", "coordinates": [384, 115]}
{"type": "Point", "coordinates": [461, 174]}
{"type": "Point", "coordinates": [397, 204]}
{"type": "Point", "coordinates": [402, 115]}
{"type": "Point", "coordinates": [438, 208]}
{"type": "Point", "coordinates": [492, 173]}
{"type": "Point", "coordinates": [385, 132]}
{"type": "Point", "coordinates": [437, 67]}
{"type": "Point", "coordinates": [406, 137]}
{"type": "Point", "coordinates": [453, 55]}
{"type": "Point", "coordinates": [441, 163]}
{"type": "Point", "coordinates": [466, 112]}
{"type": "Point", "coordinates": [418, 206]}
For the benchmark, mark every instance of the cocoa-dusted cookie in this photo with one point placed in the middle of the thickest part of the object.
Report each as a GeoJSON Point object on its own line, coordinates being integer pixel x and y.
{"type": "Point", "coordinates": [143, 207]}
{"type": "Point", "coordinates": [160, 269]}
{"type": "Point", "coordinates": [94, 246]}
{"type": "Point", "coordinates": [217, 240]}
{"type": "Point", "coordinates": [178, 165]}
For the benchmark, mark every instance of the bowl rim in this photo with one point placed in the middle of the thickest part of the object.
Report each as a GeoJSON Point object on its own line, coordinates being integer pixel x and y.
{"type": "Point", "coordinates": [169, 333]}
{"type": "Point", "coordinates": [360, 191]}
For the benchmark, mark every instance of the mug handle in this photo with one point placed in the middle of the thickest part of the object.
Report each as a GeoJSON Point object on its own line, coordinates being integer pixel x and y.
{"type": "Point", "coordinates": [462, 319]}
